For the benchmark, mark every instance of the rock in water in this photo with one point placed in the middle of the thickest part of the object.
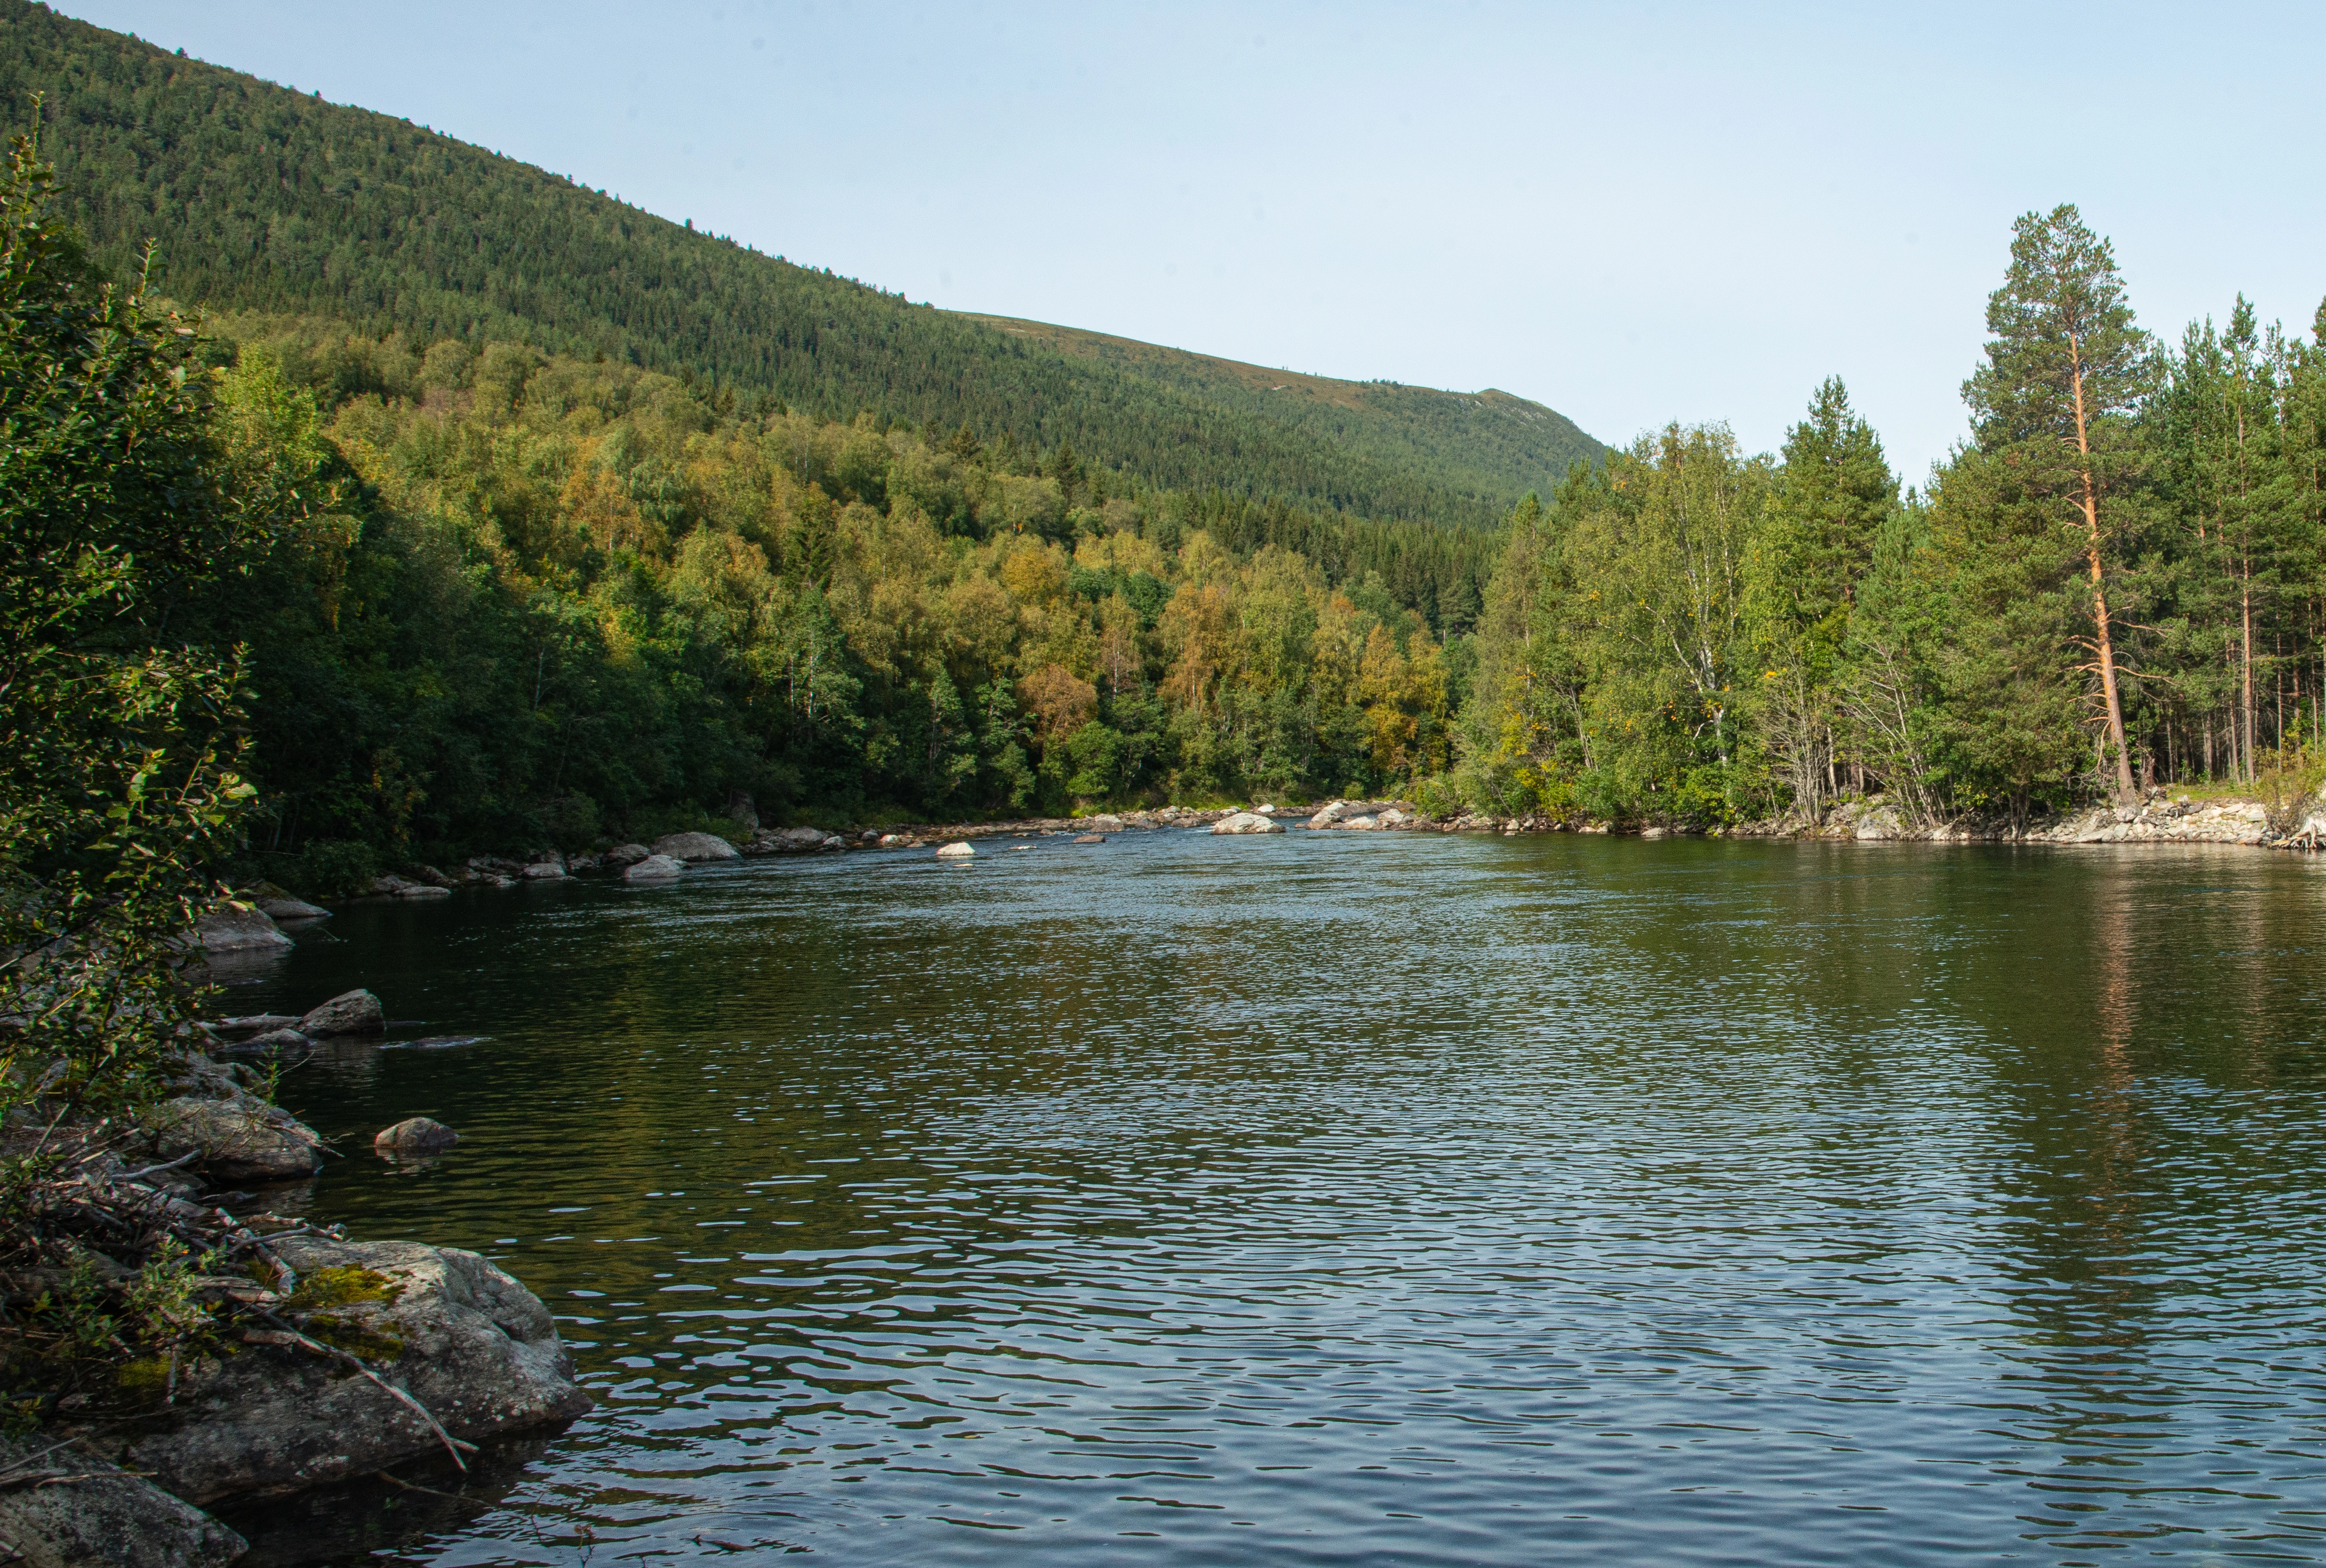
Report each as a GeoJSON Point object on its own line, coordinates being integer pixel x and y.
{"type": "Point", "coordinates": [1328, 814]}
{"type": "Point", "coordinates": [622, 857]}
{"type": "Point", "coordinates": [474, 1347]}
{"type": "Point", "coordinates": [1091, 839]}
{"type": "Point", "coordinates": [86, 1511]}
{"type": "Point", "coordinates": [1246, 822]}
{"type": "Point", "coordinates": [694, 847]}
{"type": "Point", "coordinates": [241, 1137]}
{"type": "Point", "coordinates": [355, 1012]}
{"type": "Point", "coordinates": [1104, 822]}
{"type": "Point", "coordinates": [234, 929]}
{"type": "Point", "coordinates": [955, 851]}
{"type": "Point", "coordinates": [654, 869]}
{"type": "Point", "coordinates": [289, 908]}
{"type": "Point", "coordinates": [415, 1135]}
{"type": "Point", "coordinates": [545, 871]}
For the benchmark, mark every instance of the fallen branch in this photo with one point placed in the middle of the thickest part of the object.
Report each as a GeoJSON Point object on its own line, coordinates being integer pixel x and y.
{"type": "Point", "coordinates": [284, 1334]}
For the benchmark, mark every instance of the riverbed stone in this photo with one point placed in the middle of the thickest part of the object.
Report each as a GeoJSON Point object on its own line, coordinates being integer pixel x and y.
{"type": "Point", "coordinates": [693, 847]}
{"type": "Point", "coordinates": [655, 869]}
{"type": "Point", "coordinates": [289, 908]}
{"type": "Point", "coordinates": [955, 851]}
{"type": "Point", "coordinates": [1104, 822]}
{"type": "Point", "coordinates": [545, 871]}
{"type": "Point", "coordinates": [92, 1512]}
{"type": "Point", "coordinates": [1246, 822]}
{"type": "Point", "coordinates": [622, 857]}
{"type": "Point", "coordinates": [238, 928]}
{"type": "Point", "coordinates": [356, 1012]}
{"type": "Point", "coordinates": [240, 1138]}
{"type": "Point", "coordinates": [416, 1135]}
{"type": "Point", "coordinates": [1091, 839]}
{"type": "Point", "coordinates": [473, 1346]}
{"type": "Point", "coordinates": [1330, 814]}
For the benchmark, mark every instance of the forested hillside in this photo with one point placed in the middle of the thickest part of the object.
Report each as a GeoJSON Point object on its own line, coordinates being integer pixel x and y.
{"type": "Point", "coordinates": [262, 199]}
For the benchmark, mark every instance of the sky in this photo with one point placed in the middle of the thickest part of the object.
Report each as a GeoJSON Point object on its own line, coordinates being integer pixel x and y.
{"type": "Point", "coordinates": [1634, 214]}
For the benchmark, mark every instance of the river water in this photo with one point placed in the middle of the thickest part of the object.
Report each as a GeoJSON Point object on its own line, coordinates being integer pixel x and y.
{"type": "Point", "coordinates": [1380, 1199]}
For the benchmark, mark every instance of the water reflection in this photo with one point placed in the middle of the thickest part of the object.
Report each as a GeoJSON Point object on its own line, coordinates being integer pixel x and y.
{"type": "Point", "coordinates": [1379, 1198]}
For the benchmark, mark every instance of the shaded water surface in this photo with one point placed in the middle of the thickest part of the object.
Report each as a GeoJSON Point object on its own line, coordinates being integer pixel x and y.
{"type": "Point", "coordinates": [1318, 1199]}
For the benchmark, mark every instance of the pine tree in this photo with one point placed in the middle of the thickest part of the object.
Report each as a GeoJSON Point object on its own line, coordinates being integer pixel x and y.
{"type": "Point", "coordinates": [2066, 371]}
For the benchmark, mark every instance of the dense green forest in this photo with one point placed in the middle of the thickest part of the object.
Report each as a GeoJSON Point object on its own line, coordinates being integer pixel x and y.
{"type": "Point", "coordinates": [554, 576]}
{"type": "Point", "coordinates": [260, 199]}
{"type": "Point", "coordinates": [2117, 583]}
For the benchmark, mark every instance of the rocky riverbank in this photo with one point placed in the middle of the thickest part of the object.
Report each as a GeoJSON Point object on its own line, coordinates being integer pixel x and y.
{"type": "Point", "coordinates": [306, 1357]}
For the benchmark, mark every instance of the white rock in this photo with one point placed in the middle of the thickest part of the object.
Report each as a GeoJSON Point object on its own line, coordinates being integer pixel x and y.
{"type": "Point", "coordinates": [955, 851]}
{"type": "Point", "coordinates": [1246, 822]}
{"type": "Point", "coordinates": [655, 868]}
{"type": "Point", "coordinates": [695, 847]}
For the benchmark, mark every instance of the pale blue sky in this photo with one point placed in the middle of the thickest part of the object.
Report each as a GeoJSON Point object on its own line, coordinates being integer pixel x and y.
{"type": "Point", "coordinates": [1633, 214]}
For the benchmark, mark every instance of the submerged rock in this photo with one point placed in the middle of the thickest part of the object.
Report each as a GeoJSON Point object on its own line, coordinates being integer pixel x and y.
{"type": "Point", "coordinates": [1091, 839]}
{"type": "Point", "coordinates": [235, 929]}
{"type": "Point", "coordinates": [475, 1347]}
{"type": "Point", "coordinates": [356, 1012]}
{"type": "Point", "coordinates": [416, 1135]}
{"type": "Point", "coordinates": [1246, 822]}
{"type": "Point", "coordinates": [695, 847]}
{"type": "Point", "coordinates": [69, 1511]}
{"type": "Point", "coordinates": [655, 868]}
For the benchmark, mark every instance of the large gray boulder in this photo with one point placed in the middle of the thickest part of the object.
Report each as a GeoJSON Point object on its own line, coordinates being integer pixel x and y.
{"type": "Point", "coordinates": [692, 846]}
{"type": "Point", "coordinates": [1104, 822]}
{"type": "Point", "coordinates": [622, 857]}
{"type": "Point", "coordinates": [472, 1346]}
{"type": "Point", "coordinates": [235, 929]}
{"type": "Point", "coordinates": [238, 1138]}
{"type": "Point", "coordinates": [655, 868]}
{"type": "Point", "coordinates": [1246, 822]}
{"type": "Point", "coordinates": [356, 1012]}
{"type": "Point", "coordinates": [69, 1511]}
{"type": "Point", "coordinates": [286, 907]}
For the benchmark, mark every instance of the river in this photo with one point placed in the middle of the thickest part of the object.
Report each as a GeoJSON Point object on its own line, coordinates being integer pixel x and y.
{"type": "Point", "coordinates": [1379, 1198]}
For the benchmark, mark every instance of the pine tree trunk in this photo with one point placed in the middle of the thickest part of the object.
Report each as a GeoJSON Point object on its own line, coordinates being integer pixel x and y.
{"type": "Point", "coordinates": [2124, 787]}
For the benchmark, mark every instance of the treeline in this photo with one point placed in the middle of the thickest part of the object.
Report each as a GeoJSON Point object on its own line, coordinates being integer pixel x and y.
{"type": "Point", "coordinates": [260, 199]}
{"type": "Point", "coordinates": [539, 601]}
{"type": "Point", "coordinates": [2117, 584]}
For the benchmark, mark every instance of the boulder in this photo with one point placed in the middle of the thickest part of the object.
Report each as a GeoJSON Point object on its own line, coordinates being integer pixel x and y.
{"type": "Point", "coordinates": [356, 1012]}
{"type": "Point", "coordinates": [237, 929]}
{"type": "Point", "coordinates": [289, 908]}
{"type": "Point", "coordinates": [416, 1135]}
{"type": "Point", "coordinates": [577, 865]}
{"type": "Point", "coordinates": [423, 890]}
{"type": "Point", "coordinates": [476, 1349]}
{"type": "Point", "coordinates": [801, 839]}
{"type": "Point", "coordinates": [251, 1024]}
{"type": "Point", "coordinates": [1246, 822]}
{"type": "Point", "coordinates": [955, 851]}
{"type": "Point", "coordinates": [273, 1040]}
{"type": "Point", "coordinates": [545, 871]}
{"type": "Point", "coordinates": [1091, 839]}
{"type": "Point", "coordinates": [655, 868]}
{"type": "Point", "coordinates": [81, 1512]}
{"type": "Point", "coordinates": [241, 1139]}
{"type": "Point", "coordinates": [1357, 824]}
{"type": "Point", "coordinates": [1330, 814]}
{"type": "Point", "coordinates": [1104, 822]}
{"type": "Point", "coordinates": [894, 840]}
{"type": "Point", "coordinates": [695, 847]}
{"type": "Point", "coordinates": [622, 857]}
